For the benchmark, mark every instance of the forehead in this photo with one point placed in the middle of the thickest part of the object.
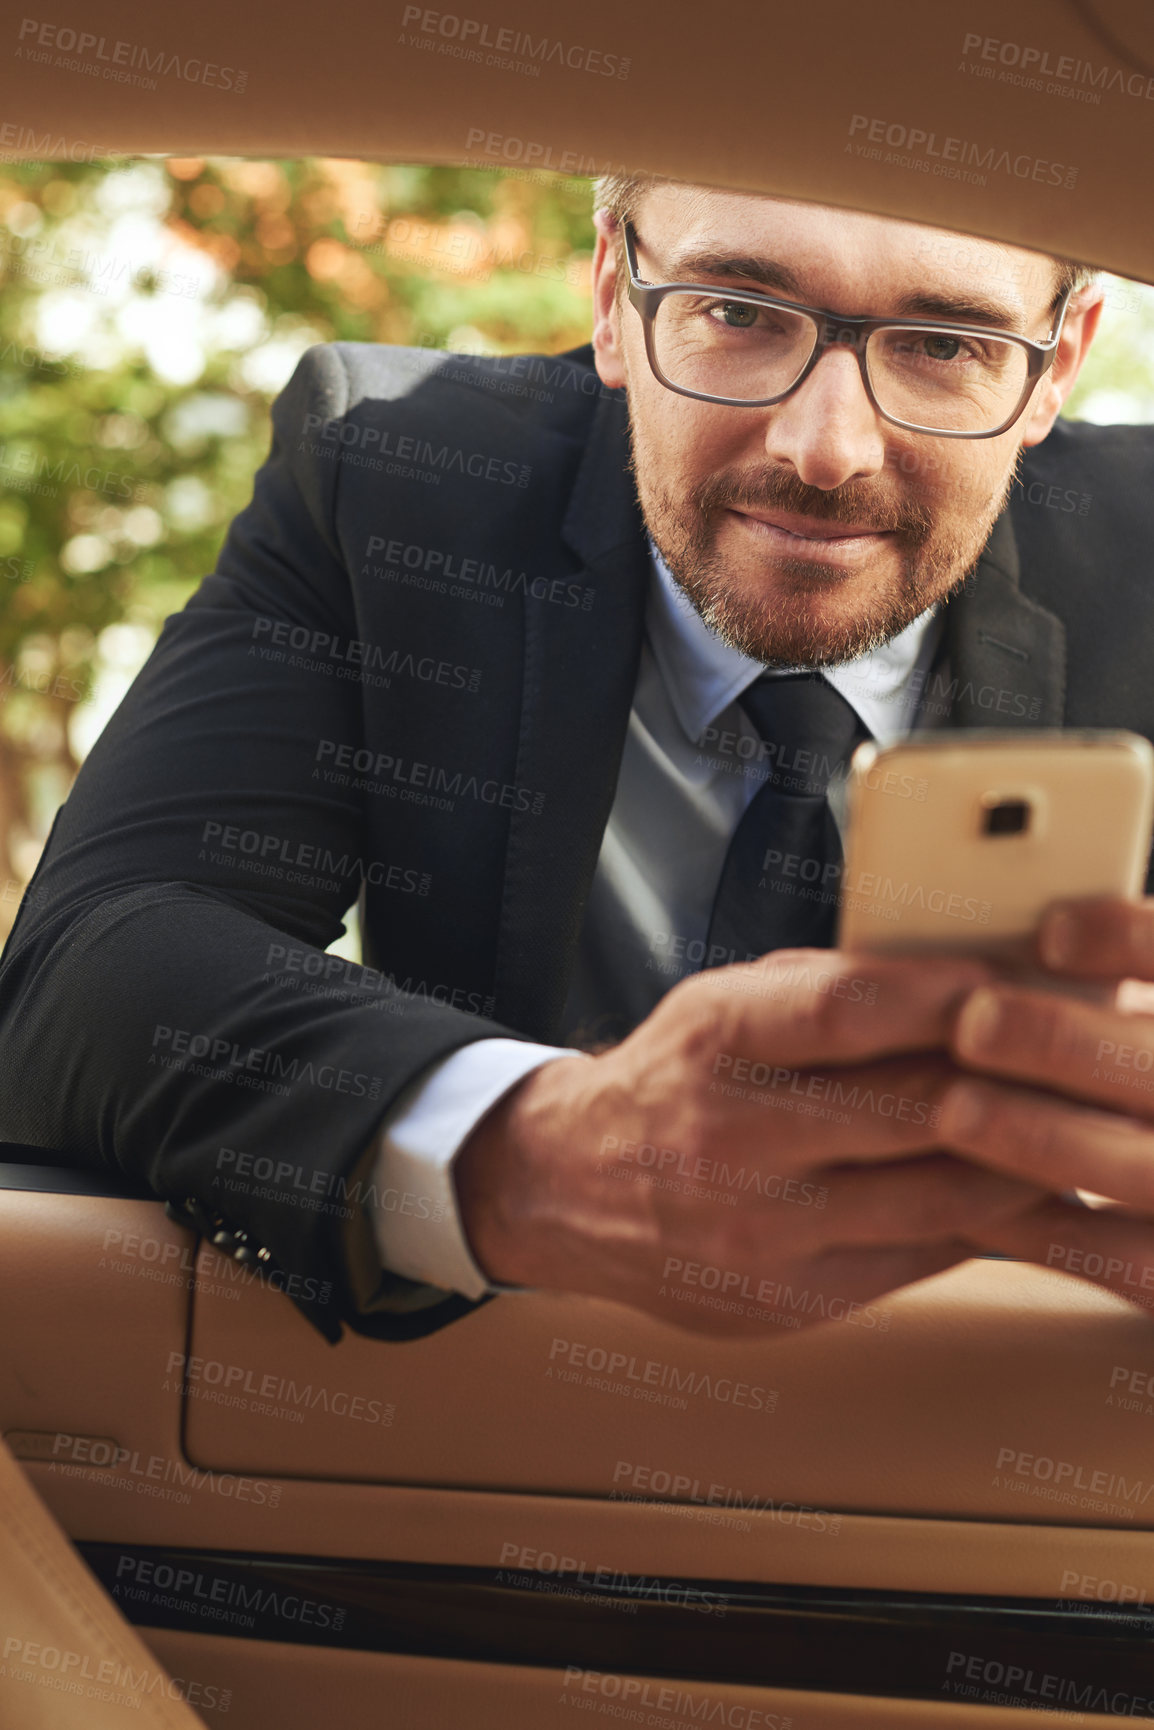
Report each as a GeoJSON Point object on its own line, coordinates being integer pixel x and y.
{"type": "Point", "coordinates": [847, 259]}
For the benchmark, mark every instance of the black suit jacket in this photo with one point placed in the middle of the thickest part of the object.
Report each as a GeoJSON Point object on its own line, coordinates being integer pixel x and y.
{"type": "Point", "coordinates": [343, 708]}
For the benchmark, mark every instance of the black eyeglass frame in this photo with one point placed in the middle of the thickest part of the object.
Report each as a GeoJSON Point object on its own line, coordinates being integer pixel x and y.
{"type": "Point", "coordinates": [835, 329]}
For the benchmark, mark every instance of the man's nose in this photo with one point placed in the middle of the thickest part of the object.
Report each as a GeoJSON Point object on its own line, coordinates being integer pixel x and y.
{"type": "Point", "coordinates": [828, 431]}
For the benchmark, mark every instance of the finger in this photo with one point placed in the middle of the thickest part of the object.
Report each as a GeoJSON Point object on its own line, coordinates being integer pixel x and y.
{"type": "Point", "coordinates": [773, 1113]}
{"type": "Point", "coordinates": [1078, 1049]}
{"type": "Point", "coordinates": [1099, 939]}
{"type": "Point", "coordinates": [1110, 1247]}
{"type": "Point", "coordinates": [1049, 1142]}
{"type": "Point", "coordinates": [809, 1006]}
{"type": "Point", "coordinates": [932, 1200]}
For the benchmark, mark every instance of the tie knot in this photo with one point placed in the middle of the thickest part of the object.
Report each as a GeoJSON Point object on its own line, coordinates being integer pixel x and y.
{"type": "Point", "coordinates": [808, 730]}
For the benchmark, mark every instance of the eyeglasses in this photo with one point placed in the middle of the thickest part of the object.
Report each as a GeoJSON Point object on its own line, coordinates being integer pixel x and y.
{"type": "Point", "coordinates": [747, 350]}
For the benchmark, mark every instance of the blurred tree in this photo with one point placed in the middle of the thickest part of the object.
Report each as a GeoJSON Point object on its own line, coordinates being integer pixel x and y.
{"type": "Point", "coordinates": [150, 311]}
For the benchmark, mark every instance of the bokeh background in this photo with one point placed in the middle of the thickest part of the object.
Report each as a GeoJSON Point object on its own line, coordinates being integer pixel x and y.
{"type": "Point", "coordinates": [150, 311]}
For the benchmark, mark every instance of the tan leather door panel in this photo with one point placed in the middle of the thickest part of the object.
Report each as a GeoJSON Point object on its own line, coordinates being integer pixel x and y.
{"type": "Point", "coordinates": [998, 1391]}
{"type": "Point", "coordinates": [927, 1456]}
{"type": "Point", "coordinates": [92, 1290]}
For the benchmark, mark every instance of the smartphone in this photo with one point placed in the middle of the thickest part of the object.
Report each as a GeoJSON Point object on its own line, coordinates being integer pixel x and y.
{"type": "Point", "coordinates": [958, 840]}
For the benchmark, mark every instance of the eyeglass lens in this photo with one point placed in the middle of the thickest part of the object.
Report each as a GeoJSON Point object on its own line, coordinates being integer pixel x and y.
{"type": "Point", "coordinates": [730, 348]}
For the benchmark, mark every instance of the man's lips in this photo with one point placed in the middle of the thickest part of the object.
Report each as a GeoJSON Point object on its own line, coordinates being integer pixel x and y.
{"type": "Point", "coordinates": [810, 528]}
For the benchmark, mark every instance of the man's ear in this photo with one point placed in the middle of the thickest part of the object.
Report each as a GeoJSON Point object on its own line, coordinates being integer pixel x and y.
{"type": "Point", "coordinates": [606, 311]}
{"type": "Point", "coordinates": [1078, 328]}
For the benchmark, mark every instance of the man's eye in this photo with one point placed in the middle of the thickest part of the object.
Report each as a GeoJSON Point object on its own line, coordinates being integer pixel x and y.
{"type": "Point", "coordinates": [938, 347]}
{"type": "Point", "coordinates": [735, 314]}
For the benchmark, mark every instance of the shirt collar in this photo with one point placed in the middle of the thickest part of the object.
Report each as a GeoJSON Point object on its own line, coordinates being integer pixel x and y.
{"type": "Point", "coordinates": [703, 675]}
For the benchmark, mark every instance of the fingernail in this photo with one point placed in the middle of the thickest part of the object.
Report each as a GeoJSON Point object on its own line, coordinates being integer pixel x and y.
{"type": "Point", "coordinates": [978, 1024]}
{"type": "Point", "coordinates": [1058, 939]}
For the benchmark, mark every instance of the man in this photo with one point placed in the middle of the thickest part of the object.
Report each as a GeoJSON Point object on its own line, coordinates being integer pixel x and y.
{"type": "Point", "coordinates": [544, 802]}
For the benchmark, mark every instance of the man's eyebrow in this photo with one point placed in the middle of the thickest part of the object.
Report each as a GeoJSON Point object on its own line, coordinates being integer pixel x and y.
{"type": "Point", "coordinates": [968, 308]}
{"type": "Point", "coordinates": [767, 272]}
{"type": "Point", "coordinates": [771, 274]}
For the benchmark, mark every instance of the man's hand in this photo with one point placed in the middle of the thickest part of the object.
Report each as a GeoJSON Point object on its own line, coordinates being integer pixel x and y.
{"type": "Point", "coordinates": [769, 1126]}
{"type": "Point", "coordinates": [1062, 1095]}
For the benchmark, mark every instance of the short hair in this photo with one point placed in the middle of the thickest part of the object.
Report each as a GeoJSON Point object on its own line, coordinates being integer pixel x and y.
{"type": "Point", "coordinates": [619, 195]}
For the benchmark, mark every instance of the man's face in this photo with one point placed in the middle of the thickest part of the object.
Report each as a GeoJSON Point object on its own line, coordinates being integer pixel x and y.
{"type": "Point", "coordinates": [812, 531]}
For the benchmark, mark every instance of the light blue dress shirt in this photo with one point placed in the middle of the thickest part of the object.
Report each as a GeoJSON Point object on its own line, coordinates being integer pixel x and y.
{"type": "Point", "coordinates": [688, 771]}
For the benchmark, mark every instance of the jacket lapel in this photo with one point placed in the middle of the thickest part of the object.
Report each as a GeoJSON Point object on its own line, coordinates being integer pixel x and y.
{"type": "Point", "coordinates": [1002, 658]}
{"type": "Point", "coordinates": [579, 670]}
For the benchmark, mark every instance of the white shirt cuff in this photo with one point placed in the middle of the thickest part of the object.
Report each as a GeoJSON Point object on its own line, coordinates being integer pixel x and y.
{"type": "Point", "coordinates": [416, 1220]}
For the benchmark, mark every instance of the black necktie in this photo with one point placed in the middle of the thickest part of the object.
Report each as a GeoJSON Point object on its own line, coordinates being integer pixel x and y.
{"type": "Point", "coordinates": [779, 883]}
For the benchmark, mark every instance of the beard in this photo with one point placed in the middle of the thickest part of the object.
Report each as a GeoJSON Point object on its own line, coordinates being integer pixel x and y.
{"type": "Point", "coordinates": [784, 617]}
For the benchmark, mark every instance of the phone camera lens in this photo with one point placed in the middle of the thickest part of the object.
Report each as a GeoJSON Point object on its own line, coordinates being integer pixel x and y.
{"type": "Point", "coordinates": [1006, 817]}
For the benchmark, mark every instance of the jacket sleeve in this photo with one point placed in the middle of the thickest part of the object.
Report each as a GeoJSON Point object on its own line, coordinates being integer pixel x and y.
{"type": "Point", "coordinates": [144, 1023]}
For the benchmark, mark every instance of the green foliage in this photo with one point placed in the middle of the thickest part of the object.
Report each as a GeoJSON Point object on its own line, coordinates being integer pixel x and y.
{"type": "Point", "coordinates": [149, 315]}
